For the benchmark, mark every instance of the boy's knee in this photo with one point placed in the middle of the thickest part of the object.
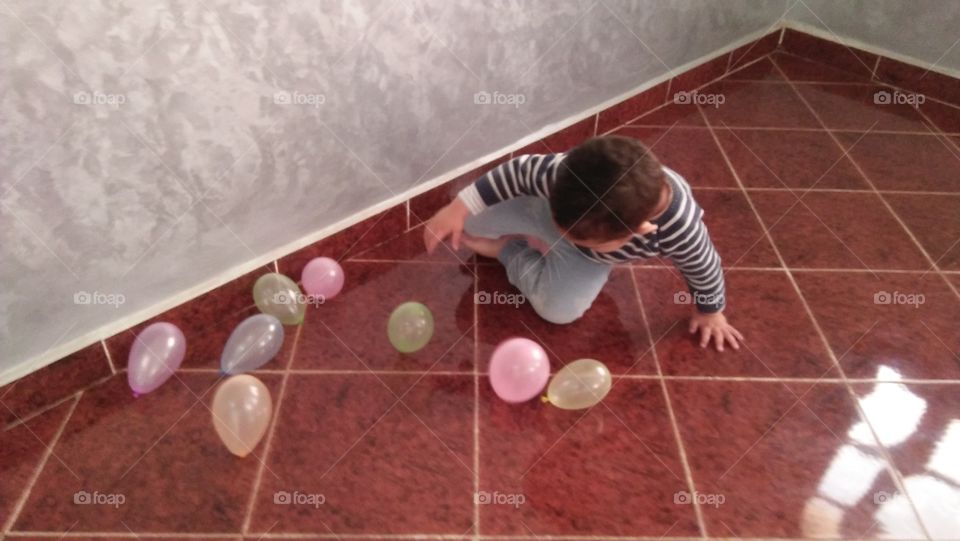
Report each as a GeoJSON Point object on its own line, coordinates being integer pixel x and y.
{"type": "Point", "coordinates": [558, 313]}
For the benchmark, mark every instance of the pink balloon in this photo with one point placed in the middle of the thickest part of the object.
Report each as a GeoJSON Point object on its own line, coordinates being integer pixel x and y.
{"type": "Point", "coordinates": [156, 354]}
{"type": "Point", "coordinates": [519, 370]}
{"type": "Point", "coordinates": [322, 276]}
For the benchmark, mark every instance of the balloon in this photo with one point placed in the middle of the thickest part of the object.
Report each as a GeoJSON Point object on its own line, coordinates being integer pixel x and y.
{"type": "Point", "coordinates": [279, 296]}
{"type": "Point", "coordinates": [241, 413]}
{"type": "Point", "coordinates": [410, 327]}
{"type": "Point", "coordinates": [579, 385]}
{"type": "Point", "coordinates": [252, 344]}
{"type": "Point", "coordinates": [155, 356]}
{"type": "Point", "coordinates": [519, 370]}
{"type": "Point", "coordinates": [322, 276]}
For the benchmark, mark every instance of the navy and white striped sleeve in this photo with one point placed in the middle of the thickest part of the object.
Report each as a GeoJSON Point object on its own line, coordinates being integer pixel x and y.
{"type": "Point", "coordinates": [687, 243]}
{"type": "Point", "coordinates": [531, 174]}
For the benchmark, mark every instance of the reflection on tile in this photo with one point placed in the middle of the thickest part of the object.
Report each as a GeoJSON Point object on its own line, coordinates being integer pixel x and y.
{"type": "Point", "coordinates": [611, 470]}
{"type": "Point", "coordinates": [836, 230]}
{"type": "Point", "coordinates": [734, 229]}
{"type": "Point", "coordinates": [742, 440]}
{"type": "Point", "coordinates": [864, 107]}
{"type": "Point", "coordinates": [902, 322]}
{"type": "Point", "coordinates": [789, 159]}
{"type": "Point", "coordinates": [757, 104]}
{"type": "Point", "coordinates": [905, 162]}
{"type": "Point", "coordinates": [935, 221]}
{"type": "Point", "coordinates": [611, 331]}
{"type": "Point", "coordinates": [781, 341]}
{"type": "Point", "coordinates": [349, 332]}
{"type": "Point", "coordinates": [388, 453]}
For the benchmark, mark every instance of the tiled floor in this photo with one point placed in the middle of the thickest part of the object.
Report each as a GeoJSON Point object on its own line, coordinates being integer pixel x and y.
{"type": "Point", "coordinates": [839, 418]}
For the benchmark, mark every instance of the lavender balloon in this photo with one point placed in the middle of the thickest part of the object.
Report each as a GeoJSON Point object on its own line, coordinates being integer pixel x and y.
{"type": "Point", "coordinates": [156, 354]}
{"type": "Point", "coordinates": [252, 344]}
{"type": "Point", "coordinates": [519, 370]}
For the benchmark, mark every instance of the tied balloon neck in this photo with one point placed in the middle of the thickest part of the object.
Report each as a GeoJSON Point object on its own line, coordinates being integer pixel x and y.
{"type": "Point", "coordinates": [545, 399]}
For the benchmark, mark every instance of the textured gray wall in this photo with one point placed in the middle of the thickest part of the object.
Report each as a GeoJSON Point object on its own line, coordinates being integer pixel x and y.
{"type": "Point", "coordinates": [924, 30]}
{"type": "Point", "coordinates": [143, 154]}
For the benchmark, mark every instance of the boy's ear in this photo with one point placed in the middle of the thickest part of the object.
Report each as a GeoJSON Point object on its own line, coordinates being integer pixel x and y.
{"type": "Point", "coordinates": [646, 227]}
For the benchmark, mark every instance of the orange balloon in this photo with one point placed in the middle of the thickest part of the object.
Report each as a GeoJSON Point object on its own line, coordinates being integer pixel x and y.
{"type": "Point", "coordinates": [242, 408]}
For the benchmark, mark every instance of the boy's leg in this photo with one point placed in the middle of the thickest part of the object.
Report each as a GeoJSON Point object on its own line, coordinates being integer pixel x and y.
{"type": "Point", "coordinates": [561, 284]}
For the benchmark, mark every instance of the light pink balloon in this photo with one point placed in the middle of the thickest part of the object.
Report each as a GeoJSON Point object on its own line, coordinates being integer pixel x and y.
{"type": "Point", "coordinates": [322, 276]}
{"type": "Point", "coordinates": [519, 370]}
{"type": "Point", "coordinates": [156, 354]}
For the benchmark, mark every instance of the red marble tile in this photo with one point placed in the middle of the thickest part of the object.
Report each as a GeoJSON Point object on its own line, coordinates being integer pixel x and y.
{"type": "Point", "coordinates": [21, 450]}
{"type": "Point", "coordinates": [748, 53]}
{"type": "Point", "coordinates": [904, 161]}
{"type": "Point", "coordinates": [762, 70]}
{"type": "Point", "coordinates": [425, 205]}
{"type": "Point", "coordinates": [53, 383]}
{"type": "Point", "coordinates": [929, 83]}
{"type": "Point", "coordinates": [692, 153]}
{"type": "Point", "coordinates": [388, 454]}
{"type": "Point", "coordinates": [829, 52]}
{"type": "Point", "coordinates": [922, 440]}
{"type": "Point", "coordinates": [410, 247]}
{"type": "Point", "coordinates": [781, 341]}
{"type": "Point", "coordinates": [207, 322]}
{"type": "Point", "coordinates": [734, 229]}
{"type": "Point", "coordinates": [631, 108]}
{"type": "Point", "coordinates": [771, 460]}
{"type": "Point", "coordinates": [366, 234]}
{"type": "Point", "coordinates": [887, 324]}
{"type": "Point", "coordinates": [563, 140]}
{"type": "Point", "coordinates": [158, 452]}
{"type": "Point", "coordinates": [671, 114]}
{"type": "Point", "coordinates": [935, 221]}
{"type": "Point", "coordinates": [753, 104]}
{"type": "Point", "coordinates": [349, 332]}
{"type": "Point", "coordinates": [803, 70]}
{"type": "Point", "coordinates": [836, 230]}
{"type": "Point", "coordinates": [612, 470]}
{"type": "Point", "coordinates": [611, 331]}
{"type": "Point", "coordinates": [696, 77]}
{"type": "Point", "coordinates": [945, 116]}
{"type": "Point", "coordinates": [863, 107]}
{"type": "Point", "coordinates": [789, 159]}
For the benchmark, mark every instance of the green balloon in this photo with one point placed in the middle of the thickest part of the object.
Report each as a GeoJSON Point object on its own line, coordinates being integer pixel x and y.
{"type": "Point", "coordinates": [410, 327]}
{"type": "Point", "coordinates": [280, 297]}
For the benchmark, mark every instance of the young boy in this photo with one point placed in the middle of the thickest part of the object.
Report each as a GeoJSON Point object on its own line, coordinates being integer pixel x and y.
{"type": "Point", "coordinates": [559, 222]}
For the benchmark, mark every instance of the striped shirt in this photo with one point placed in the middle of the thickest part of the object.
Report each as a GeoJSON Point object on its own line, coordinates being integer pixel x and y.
{"type": "Point", "coordinates": [680, 236]}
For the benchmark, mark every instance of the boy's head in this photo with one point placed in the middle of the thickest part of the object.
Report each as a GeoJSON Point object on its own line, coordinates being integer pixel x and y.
{"type": "Point", "coordinates": [606, 191]}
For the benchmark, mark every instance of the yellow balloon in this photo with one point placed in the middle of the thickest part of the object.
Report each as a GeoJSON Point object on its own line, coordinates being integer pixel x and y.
{"type": "Point", "coordinates": [242, 408]}
{"type": "Point", "coordinates": [579, 385]}
{"type": "Point", "coordinates": [280, 297]}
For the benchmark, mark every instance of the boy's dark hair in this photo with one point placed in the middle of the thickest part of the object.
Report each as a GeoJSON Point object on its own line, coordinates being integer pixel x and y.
{"type": "Point", "coordinates": [619, 171]}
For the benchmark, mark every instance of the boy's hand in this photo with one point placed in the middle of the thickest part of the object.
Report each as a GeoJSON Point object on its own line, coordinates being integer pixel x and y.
{"type": "Point", "coordinates": [715, 326]}
{"type": "Point", "coordinates": [447, 222]}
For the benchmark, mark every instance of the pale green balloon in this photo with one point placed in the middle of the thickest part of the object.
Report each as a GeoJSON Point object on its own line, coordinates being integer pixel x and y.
{"type": "Point", "coordinates": [410, 327]}
{"type": "Point", "coordinates": [579, 385]}
{"type": "Point", "coordinates": [280, 297]}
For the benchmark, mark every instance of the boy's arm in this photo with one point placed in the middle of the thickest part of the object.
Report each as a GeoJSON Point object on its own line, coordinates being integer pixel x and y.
{"type": "Point", "coordinates": [531, 174]}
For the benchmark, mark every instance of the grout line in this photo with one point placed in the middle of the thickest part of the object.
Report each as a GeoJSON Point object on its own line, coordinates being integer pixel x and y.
{"type": "Point", "coordinates": [43, 409]}
{"type": "Point", "coordinates": [596, 122]}
{"type": "Point", "coordinates": [873, 72]}
{"type": "Point", "coordinates": [267, 446]}
{"type": "Point", "coordinates": [800, 129]}
{"type": "Point", "coordinates": [106, 351]}
{"type": "Point", "coordinates": [25, 495]}
{"type": "Point", "coordinates": [678, 438]}
{"type": "Point", "coordinates": [476, 402]}
{"type": "Point", "coordinates": [406, 204]}
{"type": "Point", "coordinates": [891, 467]}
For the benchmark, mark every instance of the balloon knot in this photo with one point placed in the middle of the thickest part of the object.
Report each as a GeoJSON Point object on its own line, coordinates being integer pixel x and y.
{"type": "Point", "coordinates": [545, 399]}
{"type": "Point", "coordinates": [136, 394]}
